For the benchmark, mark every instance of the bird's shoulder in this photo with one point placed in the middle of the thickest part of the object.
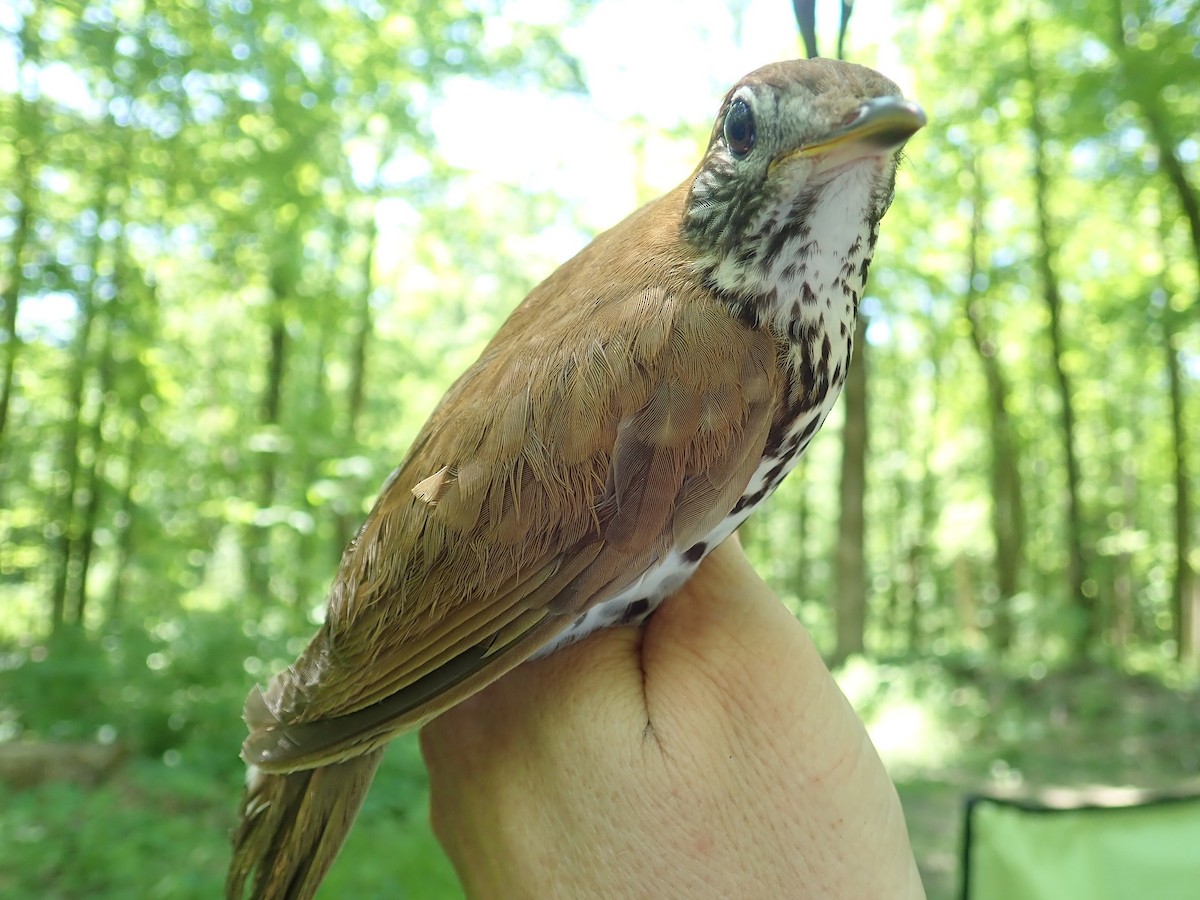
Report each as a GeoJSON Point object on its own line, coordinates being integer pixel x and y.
{"type": "Point", "coordinates": [616, 402]}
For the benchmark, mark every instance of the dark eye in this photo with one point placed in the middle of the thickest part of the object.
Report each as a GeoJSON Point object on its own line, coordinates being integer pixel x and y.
{"type": "Point", "coordinates": [739, 128]}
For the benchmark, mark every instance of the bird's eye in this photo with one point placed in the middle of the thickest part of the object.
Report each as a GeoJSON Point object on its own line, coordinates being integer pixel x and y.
{"type": "Point", "coordinates": [739, 128]}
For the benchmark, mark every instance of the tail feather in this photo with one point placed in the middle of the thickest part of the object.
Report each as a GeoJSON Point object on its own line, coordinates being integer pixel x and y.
{"type": "Point", "coordinates": [292, 827]}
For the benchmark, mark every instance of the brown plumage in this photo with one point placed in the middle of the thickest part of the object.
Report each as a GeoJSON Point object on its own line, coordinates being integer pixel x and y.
{"type": "Point", "coordinates": [635, 407]}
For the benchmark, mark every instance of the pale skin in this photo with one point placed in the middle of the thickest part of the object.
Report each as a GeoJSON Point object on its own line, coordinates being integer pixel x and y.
{"type": "Point", "coordinates": [709, 755]}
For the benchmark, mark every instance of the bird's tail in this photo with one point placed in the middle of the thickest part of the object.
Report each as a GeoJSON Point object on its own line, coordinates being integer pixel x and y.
{"type": "Point", "coordinates": [293, 825]}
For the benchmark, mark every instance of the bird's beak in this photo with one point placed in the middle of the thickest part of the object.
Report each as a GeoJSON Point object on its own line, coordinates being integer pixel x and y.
{"type": "Point", "coordinates": [880, 125]}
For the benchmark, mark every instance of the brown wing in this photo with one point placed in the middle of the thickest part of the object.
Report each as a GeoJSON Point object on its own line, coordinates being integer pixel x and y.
{"type": "Point", "coordinates": [509, 517]}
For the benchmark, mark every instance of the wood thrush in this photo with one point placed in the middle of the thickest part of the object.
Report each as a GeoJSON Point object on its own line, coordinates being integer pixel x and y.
{"type": "Point", "coordinates": [628, 416]}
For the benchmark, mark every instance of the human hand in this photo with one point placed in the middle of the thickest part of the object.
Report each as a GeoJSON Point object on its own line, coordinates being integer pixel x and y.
{"type": "Point", "coordinates": [709, 754]}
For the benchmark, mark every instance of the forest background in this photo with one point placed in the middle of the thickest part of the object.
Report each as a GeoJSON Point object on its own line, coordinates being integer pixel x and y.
{"type": "Point", "coordinates": [244, 247]}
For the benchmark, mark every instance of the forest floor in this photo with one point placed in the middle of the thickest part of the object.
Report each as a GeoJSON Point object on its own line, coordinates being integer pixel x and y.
{"type": "Point", "coordinates": [158, 828]}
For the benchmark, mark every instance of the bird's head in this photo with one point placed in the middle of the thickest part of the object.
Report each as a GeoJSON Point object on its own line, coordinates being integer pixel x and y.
{"type": "Point", "coordinates": [789, 138]}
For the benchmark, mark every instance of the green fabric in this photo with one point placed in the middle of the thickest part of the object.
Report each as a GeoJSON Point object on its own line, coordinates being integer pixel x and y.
{"type": "Point", "coordinates": [1149, 852]}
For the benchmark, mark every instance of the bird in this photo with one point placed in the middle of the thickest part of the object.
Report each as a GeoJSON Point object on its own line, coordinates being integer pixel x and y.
{"type": "Point", "coordinates": [630, 413]}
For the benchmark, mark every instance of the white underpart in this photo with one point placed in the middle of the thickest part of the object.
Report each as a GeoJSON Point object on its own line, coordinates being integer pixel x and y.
{"type": "Point", "coordinates": [837, 224]}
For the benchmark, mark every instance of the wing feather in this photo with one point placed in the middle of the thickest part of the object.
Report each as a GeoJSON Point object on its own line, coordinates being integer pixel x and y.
{"type": "Point", "coordinates": [510, 517]}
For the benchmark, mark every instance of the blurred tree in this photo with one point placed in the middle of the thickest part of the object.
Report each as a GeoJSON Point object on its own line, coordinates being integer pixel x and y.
{"type": "Point", "coordinates": [1081, 591]}
{"type": "Point", "coordinates": [213, 251]}
{"type": "Point", "coordinates": [24, 137]}
{"type": "Point", "coordinates": [1007, 502]}
{"type": "Point", "coordinates": [1154, 62]}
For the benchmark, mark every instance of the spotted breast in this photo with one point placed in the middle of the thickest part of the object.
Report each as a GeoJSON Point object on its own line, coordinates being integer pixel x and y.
{"type": "Point", "coordinates": [810, 284]}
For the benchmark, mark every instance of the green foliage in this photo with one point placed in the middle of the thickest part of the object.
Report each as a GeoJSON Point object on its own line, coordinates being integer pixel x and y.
{"type": "Point", "coordinates": [61, 839]}
{"type": "Point", "coordinates": [212, 288]}
{"type": "Point", "coordinates": [173, 823]}
{"type": "Point", "coordinates": [226, 238]}
{"type": "Point", "coordinates": [161, 689]}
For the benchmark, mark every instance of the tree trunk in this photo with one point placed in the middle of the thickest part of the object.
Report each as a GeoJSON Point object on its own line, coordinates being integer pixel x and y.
{"type": "Point", "coordinates": [1184, 593]}
{"type": "Point", "coordinates": [257, 535]}
{"type": "Point", "coordinates": [924, 590]}
{"type": "Point", "coordinates": [1008, 508]}
{"type": "Point", "coordinates": [66, 542]}
{"type": "Point", "coordinates": [363, 326]}
{"type": "Point", "coordinates": [347, 517]}
{"type": "Point", "coordinates": [1148, 102]}
{"type": "Point", "coordinates": [133, 284]}
{"type": "Point", "coordinates": [11, 295]}
{"type": "Point", "coordinates": [124, 521]}
{"type": "Point", "coordinates": [104, 365]}
{"type": "Point", "coordinates": [1124, 595]}
{"type": "Point", "coordinates": [1185, 587]}
{"type": "Point", "coordinates": [78, 507]}
{"type": "Point", "coordinates": [1172, 166]}
{"type": "Point", "coordinates": [27, 145]}
{"type": "Point", "coordinates": [903, 536]}
{"type": "Point", "coordinates": [850, 583]}
{"type": "Point", "coordinates": [93, 480]}
{"type": "Point", "coordinates": [307, 459]}
{"type": "Point", "coordinates": [1088, 628]}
